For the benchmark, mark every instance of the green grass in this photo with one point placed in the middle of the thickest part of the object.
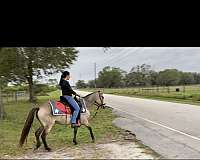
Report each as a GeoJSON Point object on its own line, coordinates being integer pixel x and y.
{"type": "Point", "coordinates": [190, 96]}
{"type": "Point", "coordinates": [60, 135]}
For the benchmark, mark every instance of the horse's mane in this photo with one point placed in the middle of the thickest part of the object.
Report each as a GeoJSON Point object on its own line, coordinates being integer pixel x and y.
{"type": "Point", "coordinates": [90, 94]}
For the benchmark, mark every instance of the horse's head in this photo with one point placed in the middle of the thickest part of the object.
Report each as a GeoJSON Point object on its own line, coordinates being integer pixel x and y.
{"type": "Point", "coordinates": [96, 98]}
{"type": "Point", "coordinates": [99, 99]}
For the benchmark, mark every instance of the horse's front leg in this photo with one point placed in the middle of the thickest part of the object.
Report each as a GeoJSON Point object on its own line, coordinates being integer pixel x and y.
{"type": "Point", "coordinates": [91, 132]}
{"type": "Point", "coordinates": [75, 133]}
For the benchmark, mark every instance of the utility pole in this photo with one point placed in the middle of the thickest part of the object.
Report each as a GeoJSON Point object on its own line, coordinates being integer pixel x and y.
{"type": "Point", "coordinates": [95, 70]}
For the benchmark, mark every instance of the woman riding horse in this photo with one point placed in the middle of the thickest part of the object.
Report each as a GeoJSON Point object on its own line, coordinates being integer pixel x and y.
{"type": "Point", "coordinates": [47, 120]}
{"type": "Point", "coordinates": [67, 92]}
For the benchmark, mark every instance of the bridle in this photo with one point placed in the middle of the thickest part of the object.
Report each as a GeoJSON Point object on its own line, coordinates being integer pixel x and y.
{"type": "Point", "coordinates": [101, 99]}
{"type": "Point", "coordinates": [102, 105]}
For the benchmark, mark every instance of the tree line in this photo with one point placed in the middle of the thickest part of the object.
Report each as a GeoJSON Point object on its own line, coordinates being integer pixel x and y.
{"type": "Point", "coordinates": [140, 75]}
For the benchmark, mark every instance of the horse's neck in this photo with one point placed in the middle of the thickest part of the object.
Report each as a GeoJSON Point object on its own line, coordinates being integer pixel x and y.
{"type": "Point", "coordinates": [90, 100]}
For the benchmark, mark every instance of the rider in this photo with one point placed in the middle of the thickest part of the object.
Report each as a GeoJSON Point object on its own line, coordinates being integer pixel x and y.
{"type": "Point", "coordinates": [67, 92]}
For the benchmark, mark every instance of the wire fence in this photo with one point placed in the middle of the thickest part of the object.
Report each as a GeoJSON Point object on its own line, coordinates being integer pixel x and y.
{"type": "Point", "coordinates": [14, 96]}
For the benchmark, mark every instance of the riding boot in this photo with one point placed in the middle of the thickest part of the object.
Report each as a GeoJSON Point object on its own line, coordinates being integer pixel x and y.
{"type": "Point", "coordinates": [73, 125]}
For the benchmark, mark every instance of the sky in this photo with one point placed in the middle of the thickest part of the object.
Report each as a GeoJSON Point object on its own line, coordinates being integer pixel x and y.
{"type": "Point", "coordinates": [160, 58]}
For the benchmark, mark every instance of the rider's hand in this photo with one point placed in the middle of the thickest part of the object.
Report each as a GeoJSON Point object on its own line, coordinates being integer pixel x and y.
{"type": "Point", "coordinates": [78, 95]}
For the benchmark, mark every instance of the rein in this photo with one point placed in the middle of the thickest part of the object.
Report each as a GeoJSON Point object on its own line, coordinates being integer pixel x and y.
{"type": "Point", "coordinates": [102, 105]}
{"type": "Point", "coordinates": [99, 105]}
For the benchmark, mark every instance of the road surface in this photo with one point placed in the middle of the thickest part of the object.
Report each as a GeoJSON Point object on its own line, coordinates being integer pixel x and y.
{"type": "Point", "coordinates": [171, 129]}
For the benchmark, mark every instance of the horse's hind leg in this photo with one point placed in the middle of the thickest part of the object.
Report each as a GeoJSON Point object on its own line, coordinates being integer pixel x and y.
{"type": "Point", "coordinates": [75, 133]}
{"type": "Point", "coordinates": [44, 135]}
{"type": "Point", "coordinates": [37, 135]}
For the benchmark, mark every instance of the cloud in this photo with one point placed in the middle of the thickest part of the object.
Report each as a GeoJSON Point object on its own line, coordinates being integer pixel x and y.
{"type": "Point", "coordinates": [185, 59]}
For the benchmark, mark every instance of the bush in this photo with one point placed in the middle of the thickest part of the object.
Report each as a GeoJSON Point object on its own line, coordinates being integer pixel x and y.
{"type": "Point", "coordinates": [42, 89]}
{"type": "Point", "coordinates": [15, 88]}
{"type": "Point", "coordinates": [42, 94]}
{"type": "Point", "coordinates": [196, 97]}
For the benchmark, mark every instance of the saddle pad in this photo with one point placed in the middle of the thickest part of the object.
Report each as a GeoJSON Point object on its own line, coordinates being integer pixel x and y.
{"type": "Point", "coordinates": [58, 108]}
{"type": "Point", "coordinates": [82, 105]}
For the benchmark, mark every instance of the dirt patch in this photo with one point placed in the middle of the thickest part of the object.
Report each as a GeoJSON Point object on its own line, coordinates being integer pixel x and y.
{"type": "Point", "coordinates": [126, 146]}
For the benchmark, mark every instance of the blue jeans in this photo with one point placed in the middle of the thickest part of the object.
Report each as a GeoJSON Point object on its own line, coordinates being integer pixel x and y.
{"type": "Point", "coordinates": [75, 105]}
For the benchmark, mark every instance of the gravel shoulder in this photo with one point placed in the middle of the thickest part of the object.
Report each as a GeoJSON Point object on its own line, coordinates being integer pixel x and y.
{"type": "Point", "coordinates": [125, 147]}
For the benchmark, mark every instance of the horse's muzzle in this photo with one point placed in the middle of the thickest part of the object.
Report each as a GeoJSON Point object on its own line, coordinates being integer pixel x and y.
{"type": "Point", "coordinates": [104, 106]}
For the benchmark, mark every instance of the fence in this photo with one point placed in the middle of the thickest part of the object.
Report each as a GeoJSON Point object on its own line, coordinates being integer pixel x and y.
{"type": "Point", "coordinates": [163, 90]}
{"type": "Point", "coordinates": [14, 96]}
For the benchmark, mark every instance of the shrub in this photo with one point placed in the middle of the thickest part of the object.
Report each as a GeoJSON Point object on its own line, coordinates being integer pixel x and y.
{"type": "Point", "coordinates": [41, 89]}
{"type": "Point", "coordinates": [196, 97]}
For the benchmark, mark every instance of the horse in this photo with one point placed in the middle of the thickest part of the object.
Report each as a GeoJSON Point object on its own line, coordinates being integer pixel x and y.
{"type": "Point", "coordinates": [47, 120]}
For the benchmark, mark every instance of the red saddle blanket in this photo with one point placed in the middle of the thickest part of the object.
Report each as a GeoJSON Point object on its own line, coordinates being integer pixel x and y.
{"type": "Point", "coordinates": [62, 107]}
{"type": "Point", "coordinates": [59, 108]}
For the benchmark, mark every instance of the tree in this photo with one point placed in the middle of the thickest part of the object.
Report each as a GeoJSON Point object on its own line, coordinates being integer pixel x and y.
{"type": "Point", "coordinates": [25, 63]}
{"type": "Point", "coordinates": [105, 49]}
{"type": "Point", "coordinates": [81, 84]}
{"type": "Point", "coordinates": [196, 78]}
{"type": "Point", "coordinates": [153, 76]}
{"type": "Point", "coordinates": [169, 77]}
{"type": "Point", "coordinates": [53, 82]}
{"type": "Point", "coordinates": [91, 84]}
{"type": "Point", "coordinates": [110, 77]}
{"type": "Point", "coordinates": [139, 75]}
{"type": "Point", "coordinates": [187, 78]}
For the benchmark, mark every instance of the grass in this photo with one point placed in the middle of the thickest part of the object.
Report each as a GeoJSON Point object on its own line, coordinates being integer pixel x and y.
{"type": "Point", "coordinates": [60, 135]}
{"type": "Point", "coordinates": [190, 96]}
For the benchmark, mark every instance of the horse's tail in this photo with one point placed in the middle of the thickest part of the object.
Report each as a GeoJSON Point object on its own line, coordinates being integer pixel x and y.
{"type": "Point", "coordinates": [27, 126]}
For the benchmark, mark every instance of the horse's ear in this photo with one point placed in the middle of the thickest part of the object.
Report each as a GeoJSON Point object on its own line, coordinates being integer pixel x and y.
{"type": "Point", "coordinates": [100, 91]}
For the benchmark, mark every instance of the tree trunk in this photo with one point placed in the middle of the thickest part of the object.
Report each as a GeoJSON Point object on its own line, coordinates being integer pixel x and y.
{"type": "Point", "coordinates": [32, 98]}
{"type": "Point", "coordinates": [31, 90]}
{"type": "Point", "coordinates": [2, 111]}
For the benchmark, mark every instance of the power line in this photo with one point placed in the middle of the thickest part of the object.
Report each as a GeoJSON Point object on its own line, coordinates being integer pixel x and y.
{"type": "Point", "coordinates": [114, 57]}
{"type": "Point", "coordinates": [113, 60]}
{"type": "Point", "coordinates": [122, 57]}
{"type": "Point", "coordinates": [110, 60]}
{"type": "Point", "coordinates": [125, 56]}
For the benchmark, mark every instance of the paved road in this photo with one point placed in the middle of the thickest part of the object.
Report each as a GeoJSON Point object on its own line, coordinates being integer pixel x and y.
{"type": "Point", "coordinates": [171, 129]}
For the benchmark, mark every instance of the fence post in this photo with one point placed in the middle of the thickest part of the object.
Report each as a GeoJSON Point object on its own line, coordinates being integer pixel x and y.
{"type": "Point", "coordinates": [168, 89]}
{"type": "Point", "coordinates": [7, 97]}
{"type": "Point", "coordinates": [157, 88]}
{"type": "Point", "coordinates": [15, 96]}
{"type": "Point", "coordinates": [184, 91]}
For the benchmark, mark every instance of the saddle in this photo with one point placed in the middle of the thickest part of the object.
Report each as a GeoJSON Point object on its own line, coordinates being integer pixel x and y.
{"type": "Point", "coordinates": [62, 107]}
{"type": "Point", "coordinates": [80, 102]}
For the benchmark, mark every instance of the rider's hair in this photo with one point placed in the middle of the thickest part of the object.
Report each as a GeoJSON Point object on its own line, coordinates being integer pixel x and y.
{"type": "Point", "coordinates": [64, 74]}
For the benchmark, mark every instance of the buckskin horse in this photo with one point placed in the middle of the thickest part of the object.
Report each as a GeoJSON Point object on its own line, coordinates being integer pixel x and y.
{"type": "Point", "coordinates": [47, 120]}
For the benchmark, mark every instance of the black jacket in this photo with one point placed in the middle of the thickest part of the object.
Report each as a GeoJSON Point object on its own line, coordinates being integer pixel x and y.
{"type": "Point", "coordinates": [66, 88]}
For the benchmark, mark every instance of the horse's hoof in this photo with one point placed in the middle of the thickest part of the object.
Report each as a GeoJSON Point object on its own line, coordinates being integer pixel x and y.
{"type": "Point", "coordinates": [35, 149]}
{"type": "Point", "coordinates": [75, 143]}
{"type": "Point", "coordinates": [48, 149]}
